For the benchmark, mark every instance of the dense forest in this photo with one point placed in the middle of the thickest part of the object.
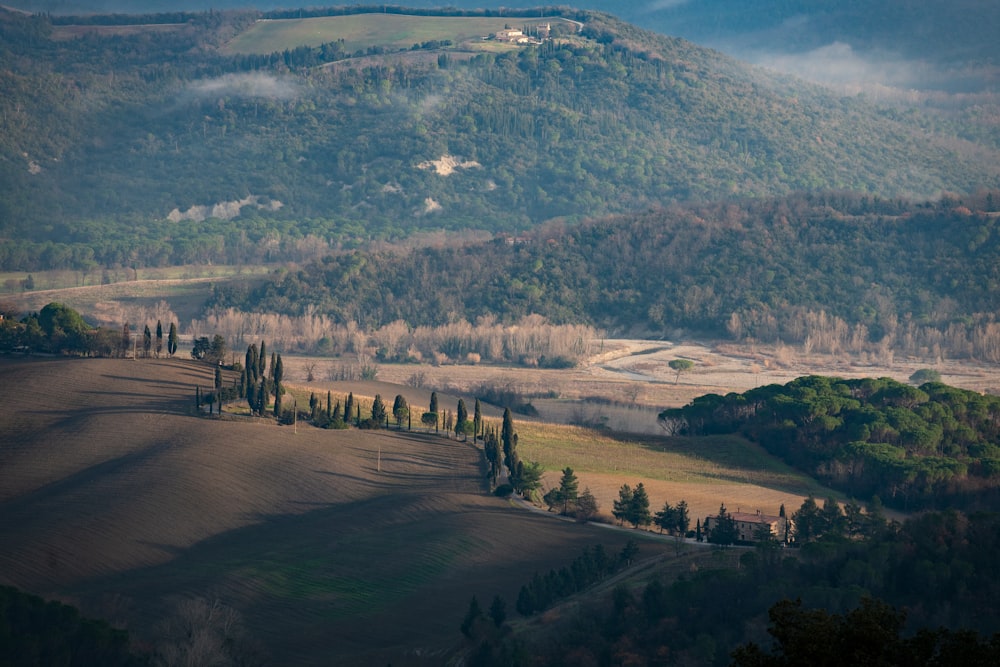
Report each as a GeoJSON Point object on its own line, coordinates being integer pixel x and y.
{"type": "Point", "coordinates": [142, 147]}
{"type": "Point", "coordinates": [833, 273]}
{"type": "Point", "coordinates": [913, 447]}
{"type": "Point", "coordinates": [918, 593]}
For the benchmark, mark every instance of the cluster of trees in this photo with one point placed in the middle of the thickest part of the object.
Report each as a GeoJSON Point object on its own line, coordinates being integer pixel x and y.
{"type": "Point", "coordinates": [350, 329]}
{"type": "Point", "coordinates": [870, 634]}
{"type": "Point", "coordinates": [59, 329]}
{"type": "Point", "coordinates": [911, 446]}
{"type": "Point", "coordinates": [569, 500]}
{"type": "Point", "coordinates": [937, 566]}
{"type": "Point", "coordinates": [36, 632]}
{"type": "Point", "coordinates": [587, 569]}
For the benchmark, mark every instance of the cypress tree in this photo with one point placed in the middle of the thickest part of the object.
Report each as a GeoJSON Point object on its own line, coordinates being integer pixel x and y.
{"type": "Point", "coordinates": [147, 341]}
{"type": "Point", "coordinates": [159, 338]}
{"type": "Point", "coordinates": [379, 414]}
{"type": "Point", "coordinates": [277, 374]}
{"type": "Point", "coordinates": [197, 398]}
{"type": "Point", "coordinates": [277, 400]}
{"type": "Point", "coordinates": [349, 406]}
{"type": "Point", "coordinates": [461, 416]}
{"type": "Point", "coordinates": [261, 360]}
{"type": "Point", "coordinates": [218, 379]}
{"type": "Point", "coordinates": [172, 339]}
{"type": "Point", "coordinates": [477, 419]}
{"type": "Point", "coordinates": [507, 436]}
{"type": "Point", "coordinates": [329, 412]}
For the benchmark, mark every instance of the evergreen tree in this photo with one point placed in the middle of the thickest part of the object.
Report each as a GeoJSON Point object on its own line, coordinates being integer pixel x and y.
{"type": "Point", "coordinates": [329, 412]}
{"type": "Point", "coordinates": [477, 421]}
{"type": "Point", "coordinates": [434, 408]}
{"type": "Point", "coordinates": [378, 411]}
{"type": "Point", "coordinates": [723, 530]}
{"type": "Point", "coordinates": [807, 521]}
{"type": "Point", "coordinates": [274, 365]}
{"type": "Point", "coordinates": [507, 437]}
{"type": "Point", "coordinates": [568, 488]}
{"type": "Point", "coordinates": [251, 396]}
{"type": "Point", "coordinates": [349, 407]}
{"type": "Point", "coordinates": [498, 611]}
{"type": "Point", "coordinates": [250, 363]}
{"type": "Point", "coordinates": [172, 339]}
{"type": "Point", "coordinates": [277, 400]}
{"type": "Point", "coordinates": [335, 416]}
{"type": "Point", "coordinates": [638, 510]}
{"type": "Point", "coordinates": [697, 530]}
{"type": "Point", "coordinates": [400, 410]}
{"type": "Point", "coordinates": [262, 361]}
{"type": "Point", "coordinates": [586, 506]}
{"type": "Point", "coordinates": [277, 369]}
{"type": "Point", "coordinates": [683, 517]}
{"type": "Point", "coordinates": [462, 415]}
{"type": "Point", "coordinates": [218, 379]}
{"type": "Point", "coordinates": [126, 340]}
{"type": "Point", "coordinates": [147, 341]}
{"type": "Point", "coordinates": [471, 617]}
{"type": "Point", "coordinates": [666, 518]}
{"type": "Point", "coordinates": [621, 506]}
{"type": "Point", "coordinates": [159, 338]}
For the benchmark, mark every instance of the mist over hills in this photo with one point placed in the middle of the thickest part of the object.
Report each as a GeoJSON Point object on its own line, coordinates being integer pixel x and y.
{"type": "Point", "coordinates": [158, 127]}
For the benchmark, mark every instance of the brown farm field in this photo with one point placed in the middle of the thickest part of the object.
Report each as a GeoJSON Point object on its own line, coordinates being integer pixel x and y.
{"type": "Point", "coordinates": [334, 547]}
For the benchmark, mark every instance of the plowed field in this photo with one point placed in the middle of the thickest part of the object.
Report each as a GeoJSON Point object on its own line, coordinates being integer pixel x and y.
{"type": "Point", "coordinates": [335, 547]}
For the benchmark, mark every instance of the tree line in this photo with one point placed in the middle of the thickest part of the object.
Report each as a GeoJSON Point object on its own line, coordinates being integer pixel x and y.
{"type": "Point", "coordinates": [58, 329]}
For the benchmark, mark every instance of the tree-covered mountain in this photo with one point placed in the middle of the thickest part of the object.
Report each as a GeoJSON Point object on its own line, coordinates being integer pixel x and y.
{"type": "Point", "coordinates": [833, 273]}
{"type": "Point", "coordinates": [112, 139]}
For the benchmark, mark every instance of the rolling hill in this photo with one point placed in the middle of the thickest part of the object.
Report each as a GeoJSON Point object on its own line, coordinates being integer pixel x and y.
{"type": "Point", "coordinates": [116, 498]}
{"type": "Point", "coordinates": [136, 147]}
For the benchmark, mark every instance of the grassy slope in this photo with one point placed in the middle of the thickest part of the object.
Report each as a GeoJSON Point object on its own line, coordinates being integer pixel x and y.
{"type": "Point", "coordinates": [705, 472]}
{"type": "Point", "coordinates": [112, 491]}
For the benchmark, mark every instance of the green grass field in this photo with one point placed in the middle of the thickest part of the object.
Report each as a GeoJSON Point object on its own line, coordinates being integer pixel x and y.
{"type": "Point", "coordinates": [689, 460]}
{"type": "Point", "coordinates": [360, 31]}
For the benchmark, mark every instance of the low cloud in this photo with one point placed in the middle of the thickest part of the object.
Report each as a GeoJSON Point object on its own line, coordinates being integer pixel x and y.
{"type": "Point", "coordinates": [839, 64]}
{"type": "Point", "coordinates": [658, 5]}
{"type": "Point", "coordinates": [245, 85]}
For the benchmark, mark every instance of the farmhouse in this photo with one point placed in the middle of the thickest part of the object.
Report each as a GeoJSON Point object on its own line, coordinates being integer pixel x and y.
{"type": "Point", "coordinates": [516, 36]}
{"type": "Point", "coordinates": [749, 524]}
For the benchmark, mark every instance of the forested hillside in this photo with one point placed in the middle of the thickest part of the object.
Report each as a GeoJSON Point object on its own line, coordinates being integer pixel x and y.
{"type": "Point", "coordinates": [912, 447]}
{"type": "Point", "coordinates": [118, 144]}
{"type": "Point", "coordinates": [833, 273]}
